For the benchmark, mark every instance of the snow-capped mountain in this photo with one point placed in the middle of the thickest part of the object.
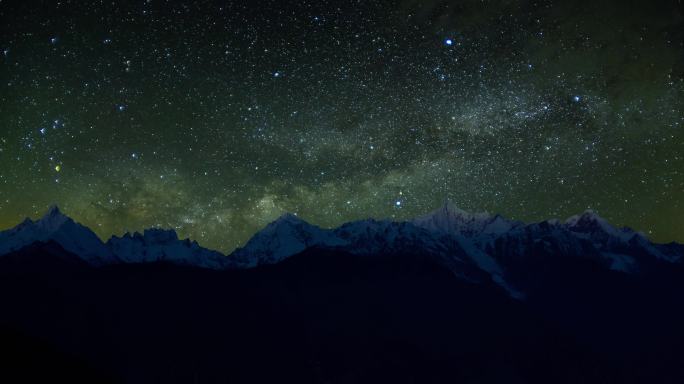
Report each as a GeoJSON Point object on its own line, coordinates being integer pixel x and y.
{"type": "Point", "coordinates": [155, 245]}
{"type": "Point", "coordinates": [290, 235]}
{"type": "Point", "coordinates": [452, 220]}
{"type": "Point", "coordinates": [583, 235]}
{"type": "Point", "coordinates": [55, 226]}
{"type": "Point", "coordinates": [592, 226]}
{"type": "Point", "coordinates": [476, 247]}
{"type": "Point", "coordinates": [614, 240]}
{"type": "Point", "coordinates": [152, 246]}
{"type": "Point", "coordinates": [286, 236]}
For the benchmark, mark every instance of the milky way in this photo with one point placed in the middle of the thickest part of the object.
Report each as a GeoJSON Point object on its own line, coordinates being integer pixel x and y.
{"type": "Point", "coordinates": [216, 117]}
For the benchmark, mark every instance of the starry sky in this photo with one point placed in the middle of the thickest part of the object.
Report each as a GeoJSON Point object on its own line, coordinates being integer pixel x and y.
{"type": "Point", "coordinates": [214, 117]}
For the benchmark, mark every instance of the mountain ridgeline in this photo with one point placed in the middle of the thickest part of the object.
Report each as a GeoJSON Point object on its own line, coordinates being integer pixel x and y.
{"type": "Point", "coordinates": [446, 297]}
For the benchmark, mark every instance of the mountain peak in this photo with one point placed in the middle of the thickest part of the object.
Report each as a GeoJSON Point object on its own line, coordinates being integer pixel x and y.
{"type": "Point", "coordinates": [288, 217]}
{"type": "Point", "coordinates": [53, 211]}
{"type": "Point", "coordinates": [284, 237]}
{"type": "Point", "coordinates": [589, 216]}
{"type": "Point", "coordinates": [589, 222]}
{"type": "Point", "coordinates": [451, 209]}
{"type": "Point", "coordinates": [53, 219]}
{"type": "Point", "coordinates": [159, 235]}
{"type": "Point", "coordinates": [451, 219]}
{"type": "Point", "coordinates": [56, 226]}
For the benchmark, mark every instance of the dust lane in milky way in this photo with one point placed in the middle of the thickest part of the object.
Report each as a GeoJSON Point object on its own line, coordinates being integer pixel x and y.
{"type": "Point", "coordinates": [215, 117]}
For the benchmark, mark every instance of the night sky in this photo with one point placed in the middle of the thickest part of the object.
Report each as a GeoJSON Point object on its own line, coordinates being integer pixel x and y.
{"type": "Point", "coordinates": [214, 117]}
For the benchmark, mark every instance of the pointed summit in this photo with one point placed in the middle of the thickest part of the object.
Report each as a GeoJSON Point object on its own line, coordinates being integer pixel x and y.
{"type": "Point", "coordinates": [53, 219]}
{"type": "Point", "coordinates": [452, 220]}
{"type": "Point", "coordinates": [587, 216]}
{"type": "Point", "coordinates": [587, 221]}
{"type": "Point", "coordinates": [284, 237]}
{"type": "Point", "coordinates": [596, 227]}
{"type": "Point", "coordinates": [451, 209]}
{"type": "Point", "coordinates": [289, 217]}
{"type": "Point", "coordinates": [57, 227]}
{"type": "Point", "coordinates": [53, 211]}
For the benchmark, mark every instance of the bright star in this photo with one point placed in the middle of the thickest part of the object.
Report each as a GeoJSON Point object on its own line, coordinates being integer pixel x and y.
{"type": "Point", "coordinates": [577, 99]}
{"type": "Point", "coordinates": [448, 42]}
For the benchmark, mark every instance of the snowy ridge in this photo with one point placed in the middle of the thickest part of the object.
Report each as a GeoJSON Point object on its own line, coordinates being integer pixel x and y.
{"type": "Point", "coordinates": [61, 229]}
{"type": "Point", "coordinates": [476, 247]}
{"type": "Point", "coordinates": [156, 245]}
{"type": "Point", "coordinates": [289, 235]}
{"type": "Point", "coordinates": [452, 220]}
{"type": "Point", "coordinates": [608, 238]}
{"type": "Point", "coordinates": [285, 237]}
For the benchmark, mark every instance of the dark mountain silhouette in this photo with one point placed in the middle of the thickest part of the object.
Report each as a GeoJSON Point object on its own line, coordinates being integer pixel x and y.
{"type": "Point", "coordinates": [448, 297]}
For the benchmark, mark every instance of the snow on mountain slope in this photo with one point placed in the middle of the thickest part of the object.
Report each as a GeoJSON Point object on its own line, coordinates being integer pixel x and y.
{"type": "Point", "coordinates": [290, 235]}
{"type": "Point", "coordinates": [597, 228]}
{"type": "Point", "coordinates": [55, 226]}
{"type": "Point", "coordinates": [374, 236]}
{"type": "Point", "coordinates": [613, 240]}
{"type": "Point", "coordinates": [284, 237]}
{"type": "Point", "coordinates": [156, 245]}
{"type": "Point", "coordinates": [473, 246]}
{"type": "Point", "coordinates": [452, 220]}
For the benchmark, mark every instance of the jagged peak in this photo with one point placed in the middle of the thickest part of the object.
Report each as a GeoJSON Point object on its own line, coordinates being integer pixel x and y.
{"type": "Point", "coordinates": [588, 216]}
{"type": "Point", "coordinates": [590, 221]}
{"type": "Point", "coordinates": [450, 208]}
{"type": "Point", "coordinates": [367, 222]}
{"type": "Point", "coordinates": [53, 218]}
{"type": "Point", "coordinates": [288, 219]}
{"type": "Point", "coordinates": [451, 219]}
{"type": "Point", "coordinates": [160, 233]}
{"type": "Point", "coordinates": [53, 210]}
{"type": "Point", "coordinates": [156, 235]}
{"type": "Point", "coordinates": [450, 211]}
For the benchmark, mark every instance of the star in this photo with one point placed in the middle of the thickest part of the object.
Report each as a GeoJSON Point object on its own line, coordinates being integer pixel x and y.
{"type": "Point", "coordinates": [333, 111]}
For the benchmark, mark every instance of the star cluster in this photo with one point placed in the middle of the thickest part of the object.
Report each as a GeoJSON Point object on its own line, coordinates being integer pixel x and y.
{"type": "Point", "coordinates": [214, 117]}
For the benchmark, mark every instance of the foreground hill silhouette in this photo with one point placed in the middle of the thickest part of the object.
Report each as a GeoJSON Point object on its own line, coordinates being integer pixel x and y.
{"type": "Point", "coordinates": [448, 297]}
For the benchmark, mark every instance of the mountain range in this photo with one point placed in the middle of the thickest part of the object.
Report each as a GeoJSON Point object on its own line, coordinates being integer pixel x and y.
{"type": "Point", "coordinates": [449, 296]}
{"type": "Point", "coordinates": [475, 247]}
